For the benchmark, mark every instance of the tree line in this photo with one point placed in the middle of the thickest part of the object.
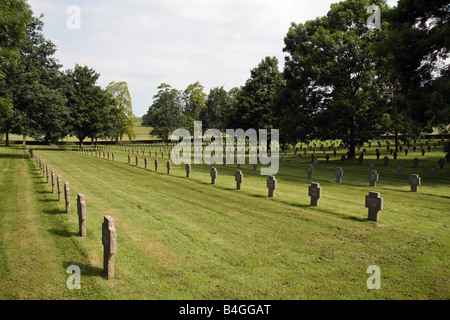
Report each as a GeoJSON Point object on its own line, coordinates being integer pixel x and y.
{"type": "Point", "coordinates": [39, 100]}
{"type": "Point", "coordinates": [342, 78]}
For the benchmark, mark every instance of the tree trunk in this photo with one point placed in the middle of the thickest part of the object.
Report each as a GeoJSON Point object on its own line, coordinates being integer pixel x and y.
{"type": "Point", "coordinates": [396, 140]}
{"type": "Point", "coordinates": [7, 138]}
{"type": "Point", "coordinates": [24, 140]}
{"type": "Point", "coordinates": [352, 144]}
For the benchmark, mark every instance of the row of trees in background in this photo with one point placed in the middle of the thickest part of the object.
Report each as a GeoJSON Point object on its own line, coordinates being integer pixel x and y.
{"type": "Point", "coordinates": [341, 79]}
{"type": "Point", "coordinates": [39, 100]}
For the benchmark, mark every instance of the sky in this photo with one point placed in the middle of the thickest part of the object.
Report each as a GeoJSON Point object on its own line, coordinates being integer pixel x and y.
{"type": "Point", "coordinates": [178, 42]}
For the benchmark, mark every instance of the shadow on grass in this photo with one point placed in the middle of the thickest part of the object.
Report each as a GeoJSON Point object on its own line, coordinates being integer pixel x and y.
{"type": "Point", "coordinates": [63, 233]}
{"type": "Point", "coordinates": [54, 211]}
{"type": "Point", "coordinates": [86, 269]}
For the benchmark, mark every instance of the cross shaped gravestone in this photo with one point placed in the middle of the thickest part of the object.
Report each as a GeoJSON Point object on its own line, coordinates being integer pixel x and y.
{"type": "Point", "coordinates": [169, 166]}
{"type": "Point", "coordinates": [373, 178]}
{"type": "Point", "coordinates": [386, 161]}
{"type": "Point", "coordinates": [67, 196]}
{"type": "Point", "coordinates": [299, 159]}
{"type": "Point", "coordinates": [255, 167]}
{"type": "Point", "coordinates": [441, 163]}
{"type": "Point", "coordinates": [343, 158]}
{"type": "Point", "coordinates": [188, 170]}
{"type": "Point", "coordinates": [433, 171]}
{"type": "Point", "coordinates": [59, 181]}
{"type": "Point", "coordinates": [129, 158]}
{"type": "Point", "coordinates": [53, 181]}
{"type": "Point", "coordinates": [47, 171]}
{"type": "Point", "coordinates": [271, 185]}
{"type": "Point", "coordinates": [371, 165]}
{"type": "Point", "coordinates": [213, 175]}
{"type": "Point", "coordinates": [327, 158]}
{"type": "Point", "coordinates": [156, 164]}
{"type": "Point", "coordinates": [423, 152]}
{"type": "Point", "coordinates": [316, 162]}
{"type": "Point", "coordinates": [81, 208]}
{"type": "Point", "coordinates": [310, 171]}
{"type": "Point", "coordinates": [406, 152]}
{"type": "Point", "coordinates": [415, 181]}
{"type": "Point", "coordinates": [315, 192]}
{"type": "Point", "coordinates": [400, 169]}
{"type": "Point", "coordinates": [339, 173]}
{"type": "Point", "coordinates": [361, 159]}
{"type": "Point", "coordinates": [145, 162]}
{"type": "Point", "coordinates": [109, 241]}
{"type": "Point", "coordinates": [282, 160]}
{"type": "Point", "coordinates": [374, 203]}
{"type": "Point", "coordinates": [137, 161]}
{"type": "Point", "coordinates": [239, 178]}
{"type": "Point", "coordinates": [415, 162]}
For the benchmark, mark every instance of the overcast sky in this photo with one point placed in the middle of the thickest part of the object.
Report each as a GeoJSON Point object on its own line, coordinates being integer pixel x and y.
{"type": "Point", "coordinates": [179, 42]}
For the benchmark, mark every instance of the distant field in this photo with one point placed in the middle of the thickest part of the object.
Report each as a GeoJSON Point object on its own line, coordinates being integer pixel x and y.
{"type": "Point", "coordinates": [182, 238]}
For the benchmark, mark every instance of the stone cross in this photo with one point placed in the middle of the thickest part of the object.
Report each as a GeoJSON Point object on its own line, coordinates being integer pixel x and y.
{"type": "Point", "coordinates": [310, 171]}
{"type": "Point", "coordinates": [146, 162]}
{"type": "Point", "coordinates": [343, 158]}
{"type": "Point", "coordinates": [415, 162]}
{"type": "Point", "coordinates": [156, 164]}
{"type": "Point", "coordinates": [272, 185]}
{"type": "Point", "coordinates": [433, 171]}
{"type": "Point", "coordinates": [53, 181]}
{"type": "Point", "coordinates": [282, 160]}
{"type": "Point", "coordinates": [239, 178]}
{"type": "Point", "coordinates": [371, 165]}
{"type": "Point", "coordinates": [441, 163]}
{"type": "Point", "coordinates": [129, 158]}
{"type": "Point", "coordinates": [188, 170]}
{"type": "Point", "coordinates": [47, 171]}
{"type": "Point", "coordinates": [112, 156]}
{"type": "Point", "coordinates": [339, 173]}
{"type": "Point", "coordinates": [67, 196]}
{"type": "Point", "coordinates": [255, 167]}
{"type": "Point", "coordinates": [316, 162]}
{"type": "Point", "coordinates": [400, 169]}
{"type": "Point", "coordinates": [386, 161]}
{"type": "Point", "coordinates": [373, 178]}
{"type": "Point", "coordinates": [315, 192]}
{"type": "Point", "coordinates": [213, 175]}
{"type": "Point", "coordinates": [299, 159]}
{"type": "Point", "coordinates": [59, 181]}
{"type": "Point", "coordinates": [415, 181]}
{"type": "Point", "coordinates": [374, 203]}
{"type": "Point", "coordinates": [81, 208]}
{"type": "Point", "coordinates": [137, 161]}
{"type": "Point", "coordinates": [109, 241]}
{"type": "Point", "coordinates": [169, 166]}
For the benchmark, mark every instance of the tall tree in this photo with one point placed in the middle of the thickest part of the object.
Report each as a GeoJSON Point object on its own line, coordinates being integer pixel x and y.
{"type": "Point", "coordinates": [165, 114]}
{"type": "Point", "coordinates": [89, 104]}
{"type": "Point", "coordinates": [418, 44]}
{"type": "Point", "coordinates": [194, 101]}
{"type": "Point", "coordinates": [122, 109]}
{"type": "Point", "coordinates": [253, 104]}
{"type": "Point", "coordinates": [216, 110]}
{"type": "Point", "coordinates": [331, 73]}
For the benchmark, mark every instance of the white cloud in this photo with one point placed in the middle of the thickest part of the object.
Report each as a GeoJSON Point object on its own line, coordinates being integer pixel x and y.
{"type": "Point", "coordinates": [147, 42]}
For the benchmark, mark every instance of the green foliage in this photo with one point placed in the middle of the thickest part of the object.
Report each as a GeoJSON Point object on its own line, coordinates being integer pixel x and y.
{"type": "Point", "coordinates": [89, 104]}
{"type": "Point", "coordinates": [331, 77]}
{"type": "Point", "coordinates": [122, 118]}
{"type": "Point", "coordinates": [165, 114]}
{"type": "Point", "coordinates": [253, 104]}
{"type": "Point", "coordinates": [217, 109]}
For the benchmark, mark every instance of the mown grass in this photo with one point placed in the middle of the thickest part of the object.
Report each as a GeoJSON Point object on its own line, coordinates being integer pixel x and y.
{"type": "Point", "coordinates": [182, 238]}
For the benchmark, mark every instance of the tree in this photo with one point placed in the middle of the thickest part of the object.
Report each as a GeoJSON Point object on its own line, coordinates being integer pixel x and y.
{"type": "Point", "coordinates": [89, 104]}
{"type": "Point", "coordinates": [253, 104]}
{"type": "Point", "coordinates": [122, 109]}
{"type": "Point", "coordinates": [216, 110]}
{"type": "Point", "coordinates": [165, 114]}
{"type": "Point", "coordinates": [418, 44]}
{"type": "Point", "coordinates": [39, 108]}
{"type": "Point", "coordinates": [194, 101]}
{"type": "Point", "coordinates": [332, 77]}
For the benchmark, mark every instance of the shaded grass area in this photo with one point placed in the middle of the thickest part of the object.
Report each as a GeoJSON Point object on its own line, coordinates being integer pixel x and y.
{"type": "Point", "coordinates": [182, 238]}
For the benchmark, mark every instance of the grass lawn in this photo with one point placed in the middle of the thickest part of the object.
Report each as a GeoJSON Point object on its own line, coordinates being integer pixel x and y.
{"type": "Point", "coordinates": [182, 238]}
